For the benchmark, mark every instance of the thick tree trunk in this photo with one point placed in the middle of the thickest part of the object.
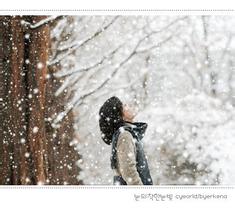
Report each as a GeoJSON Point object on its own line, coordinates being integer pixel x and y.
{"type": "Point", "coordinates": [28, 152]}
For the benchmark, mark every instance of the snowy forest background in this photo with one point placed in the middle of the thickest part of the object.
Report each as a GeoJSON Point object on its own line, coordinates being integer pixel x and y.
{"type": "Point", "coordinates": [178, 72]}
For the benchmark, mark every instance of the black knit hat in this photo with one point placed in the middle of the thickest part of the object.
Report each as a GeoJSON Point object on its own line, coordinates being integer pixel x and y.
{"type": "Point", "coordinates": [111, 118]}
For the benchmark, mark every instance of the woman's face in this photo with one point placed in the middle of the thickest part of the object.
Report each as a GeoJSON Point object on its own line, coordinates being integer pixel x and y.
{"type": "Point", "coordinates": [128, 113]}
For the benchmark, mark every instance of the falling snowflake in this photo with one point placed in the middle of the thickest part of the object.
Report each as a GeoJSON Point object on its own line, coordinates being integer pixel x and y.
{"type": "Point", "coordinates": [27, 154]}
{"type": "Point", "coordinates": [40, 65]}
{"type": "Point", "coordinates": [26, 36]}
{"type": "Point", "coordinates": [35, 91]}
{"type": "Point", "coordinates": [22, 141]}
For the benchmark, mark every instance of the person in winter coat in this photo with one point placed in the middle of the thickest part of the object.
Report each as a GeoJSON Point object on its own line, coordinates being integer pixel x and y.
{"type": "Point", "coordinates": [128, 159]}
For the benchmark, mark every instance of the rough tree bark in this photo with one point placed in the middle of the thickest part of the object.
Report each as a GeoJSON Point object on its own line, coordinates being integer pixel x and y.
{"type": "Point", "coordinates": [31, 152]}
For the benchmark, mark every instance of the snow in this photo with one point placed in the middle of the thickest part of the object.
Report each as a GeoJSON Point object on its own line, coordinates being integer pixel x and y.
{"type": "Point", "coordinates": [175, 72]}
{"type": "Point", "coordinates": [27, 36]}
{"type": "Point", "coordinates": [35, 129]}
{"type": "Point", "coordinates": [22, 141]}
{"type": "Point", "coordinates": [27, 154]}
{"type": "Point", "coordinates": [189, 137]}
{"type": "Point", "coordinates": [40, 23]}
{"type": "Point", "coordinates": [40, 183]}
{"type": "Point", "coordinates": [40, 65]}
{"type": "Point", "coordinates": [35, 91]}
{"type": "Point", "coordinates": [201, 137]}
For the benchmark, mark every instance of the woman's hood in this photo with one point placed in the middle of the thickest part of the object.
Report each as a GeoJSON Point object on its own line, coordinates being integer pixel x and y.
{"type": "Point", "coordinates": [138, 128]}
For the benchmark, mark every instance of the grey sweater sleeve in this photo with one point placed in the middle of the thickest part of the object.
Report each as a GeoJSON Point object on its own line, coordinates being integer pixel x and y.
{"type": "Point", "coordinates": [126, 155]}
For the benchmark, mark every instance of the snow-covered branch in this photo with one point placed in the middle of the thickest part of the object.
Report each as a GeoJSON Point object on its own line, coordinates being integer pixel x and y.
{"type": "Point", "coordinates": [68, 49]}
{"type": "Point", "coordinates": [39, 24]}
{"type": "Point", "coordinates": [91, 66]}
